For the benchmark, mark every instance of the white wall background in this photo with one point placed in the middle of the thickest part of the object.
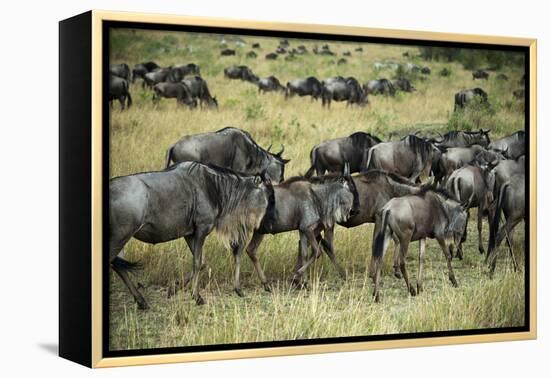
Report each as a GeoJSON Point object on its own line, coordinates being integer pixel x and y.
{"type": "Point", "coordinates": [28, 186]}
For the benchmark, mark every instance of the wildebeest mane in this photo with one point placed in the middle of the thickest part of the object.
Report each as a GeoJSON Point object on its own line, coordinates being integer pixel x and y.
{"type": "Point", "coordinates": [437, 190]}
{"type": "Point", "coordinates": [259, 152]}
{"type": "Point", "coordinates": [331, 177]}
{"type": "Point", "coordinates": [378, 173]}
{"type": "Point", "coordinates": [363, 140]}
{"type": "Point", "coordinates": [419, 146]}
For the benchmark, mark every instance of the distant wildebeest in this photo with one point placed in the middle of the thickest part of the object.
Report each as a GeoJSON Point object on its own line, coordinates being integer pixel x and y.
{"type": "Point", "coordinates": [121, 70]}
{"type": "Point", "coordinates": [179, 72]}
{"type": "Point", "coordinates": [411, 67]}
{"type": "Point", "coordinates": [310, 206]}
{"type": "Point", "coordinates": [347, 53]}
{"type": "Point", "coordinates": [403, 85]}
{"type": "Point", "coordinates": [270, 84]}
{"type": "Point", "coordinates": [280, 50]}
{"type": "Point", "coordinates": [271, 56]}
{"type": "Point", "coordinates": [240, 72]}
{"type": "Point", "coordinates": [511, 146]}
{"type": "Point", "coordinates": [480, 74]}
{"type": "Point", "coordinates": [301, 50]}
{"type": "Point", "coordinates": [255, 45]}
{"type": "Point", "coordinates": [502, 77]}
{"type": "Point", "coordinates": [340, 89]}
{"type": "Point", "coordinates": [445, 72]}
{"type": "Point", "coordinates": [199, 90]}
{"type": "Point", "coordinates": [179, 91]}
{"type": "Point", "coordinates": [141, 69]}
{"type": "Point", "coordinates": [511, 203]}
{"type": "Point", "coordinates": [425, 71]}
{"type": "Point", "coordinates": [229, 148]}
{"type": "Point", "coordinates": [381, 86]}
{"type": "Point", "coordinates": [118, 90]}
{"type": "Point", "coordinates": [359, 49]}
{"type": "Point", "coordinates": [341, 61]}
{"type": "Point", "coordinates": [457, 157]}
{"type": "Point", "coordinates": [251, 54]}
{"type": "Point", "coordinates": [472, 183]}
{"type": "Point", "coordinates": [304, 87]}
{"type": "Point", "coordinates": [411, 157]}
{"type": "Point", "coordinates": [464, 97]}
{"type": "Point", "coordinates": [464, 138]}
{"type": "Point", "coordinates": [331, 155]}
{"type": "Point", "coordinates": [432, 213]}
{"type": "Point", "coordinates": [325, 50]}
{"type": "Point", "coordinates": [189, 200]}
{"type": "Point", "coordinates": [227, 52]}
{"type": "Point", "coordinates": [159, 76]}
{"type": "Point", "coordinates": [519, 94]}
{"type": "Point", "coordinates": [284, 43]}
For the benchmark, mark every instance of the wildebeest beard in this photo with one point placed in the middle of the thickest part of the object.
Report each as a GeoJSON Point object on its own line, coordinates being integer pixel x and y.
{"type": "Point", "coordinates": [327, 200]}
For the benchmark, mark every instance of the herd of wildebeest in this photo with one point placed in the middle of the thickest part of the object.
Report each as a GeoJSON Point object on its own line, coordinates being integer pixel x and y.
{"type": "Point", "coordinates": [416, 188]}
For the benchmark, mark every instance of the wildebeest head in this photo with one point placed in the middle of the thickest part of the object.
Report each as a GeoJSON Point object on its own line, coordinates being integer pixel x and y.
{"type": "Point", "coordinates": [356, 203]}
{"type": "Point", "coordinates": [458, 219]}
{"type": "Point", "coordinates": [345, 197]}
{"type": "Point", "coordinates": [275, 169]}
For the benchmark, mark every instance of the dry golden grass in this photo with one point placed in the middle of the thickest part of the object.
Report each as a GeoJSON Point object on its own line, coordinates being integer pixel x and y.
{"type": "Point", "coordinates": [330, 307]}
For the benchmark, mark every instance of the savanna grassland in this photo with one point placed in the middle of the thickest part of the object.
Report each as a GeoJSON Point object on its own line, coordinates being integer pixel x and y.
{"type": "Point", "coordinates": [330, 306]}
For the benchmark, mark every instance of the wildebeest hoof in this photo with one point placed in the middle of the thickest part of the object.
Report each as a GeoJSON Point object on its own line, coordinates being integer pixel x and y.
{"type": "Point", "coordinates": [239, 292]}
{"type": "Point", "coordinates": [481, 250]}
{"type": "Point", "coordinates": [299, 284]}
{"type": "Point", "coordinates": [397, 274]}
{"type": "Point", "coordinates": [200, 301]}
{"type": "Point", "coordinates": [412, 291]}
{"type": "Point", "coordinates": [419, 289]}
{"type": "Point", "coordinates": [140, 285]}
{"type": "Point", "coordinates": [142, 305]}
{"type": "Point", "coordinates": [267, 287]}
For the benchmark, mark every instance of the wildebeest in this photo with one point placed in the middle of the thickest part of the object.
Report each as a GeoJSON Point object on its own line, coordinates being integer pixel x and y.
{"type": "Point", "coordinates": [432, 213]}
{"type": "Point", "coordinates": [425, 71]}
{"type": "Point", "coordinates": [457, 157]}
{"type": "Point", "coordinates": [411, 157]}
{"type": "Point", "coordinates": [251, 54]}
{"type": "Point", "coordinates": [445, 72]}
{"type": "Point", "coordinates": [301, 50]}
{"type": "Point", "coordinates": [464, 138]}
{"type": "Point", "coordinates": [227, 52]}
{"type": "Point", "coordinates": [325, 50]}
{"type": "Point", "coordinates": [467, 95]}
{"type": "Point", "coordinates": [331, 155]}
{"type": "Point", "coordinates": [341, 61]}
{"type": "Point", "coordinates": [511, 146]}
{"type": "Point", "coordinates": [304, 87]}
{"type": "Point", "coordinates": [519, 94]}
{"type": "Point", "coordinates": [159, 76]}
{"type": "Point", "coordinates": [199, 90]}
{"type": "Point", "coordinates": [471, 183]}
{"type": "Point", "coordinates": [118, 90]}
{"type": "Point", "coordinates": [269, 84]}
{"type": "Point", "coordinates": [284, 43]}
{"type": "Point", "coordinates": [381, 86]}
{"type": "Point", "coordinates": [240, 72]}
{"type": "Point", "coordinates": [340, 89]}
{"type": "Point", "coordinates": [480, 74]}
{"type": "Point", "coordinates": [141, 69]}
{"type": "Point", "coordinates": [505, 170]}
{"type": "Point", "coordinates": [280, 50]}
{"type": "Point", "coordinates": [511, 203]}
{"type": "Point", "coordinates": [359, 49]}
{"type": "Point", "coordinates": [271, 56]}
{"type": "Point", "coordinates": [310, 206]}
{"type": "Point", "coordinates": [189, 200]}
{"type": "Point", "coordinates": [347, 53]}
{"type": "Point", "coordinates": [179, 91]}
{"type": "Point", "coordinates": [403, 85]}
{"type": "Point", "coordinates": [179, 72]}
{"type": "Point", "coordinates": [229, 148]}
{"type": "Point", "coordinates": [502, 77]}
{"type": "Point", "coordinates": [121, 70]}
{"type": "Point", "coordinates": [255, 45]}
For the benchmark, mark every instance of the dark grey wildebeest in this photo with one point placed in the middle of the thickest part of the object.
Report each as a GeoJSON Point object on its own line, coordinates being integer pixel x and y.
{"type": "Point", "coordinates": [161, 75]}
{"type": "Point", "coordinates": [270, 84]}
{"type": "Point", "coordinates": [511, 146]}
{"type": "Point", "coordinates": [119, 90]}
{"type": "Point", "coordinates": [310, 86]}
{"type": "Point", "coordinates": [229, 148]}
{"type": "Point", "coordinates": [227, 52]}
{"type": "Point", "coordinates": [331, 155]}
{"type": "Point", "coordinates": [505, 170]}
{"type": "Point", "coordinates": [199, 90]}
{"type": "Point", "coordinates": [179, 91]}
{"type": "Point", "coordinates": [411, 157]}
{"type": "Point", "coordinates": [121, 70]}
{"type": "Point", "coordinates": [240, 72]}
{"type": "Point", "coordinates": [179, 72]}
{"type": "Point", "coordinates": [271, 56]}
{"type": "Point", "coordinates": [403, 85]}
{"type": "Point", "coordinates": [462, 98]}
{"type": "Point", "coordinates": [140, 69]}
{"type": "Point", "coordinates": [473, 183]}
{"type": "Point", "coordinates": [189, 200]}
{"type": "Point", "coordinates": [380, 86]}
{"type": "Point", "coordinates": [480, 74]}
{"type": "Point", "coordinates": [310, 206]}
{"type": "Point", "coordinates": [432, 213]}
{"type": "Point", "coordinates": [511, 203]}
{"type": "Point", "coordinates": [341, 89]}
{"type": "Point", "coordinates": [251, 54]}
{"type": "Point", "coordinates": [464, 138]}
{"type": "Point", "coordinates": [456, 157]}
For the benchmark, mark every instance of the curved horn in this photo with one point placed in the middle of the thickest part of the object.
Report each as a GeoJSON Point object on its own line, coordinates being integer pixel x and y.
{"type": "Point", "coordinates": [282, 150]}
{"type": "Point", "coordinates": [269, 148]}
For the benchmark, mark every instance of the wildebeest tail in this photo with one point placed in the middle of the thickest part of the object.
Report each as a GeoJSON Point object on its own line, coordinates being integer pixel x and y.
{"type": "Point", "coordinates": [455, 182]}
{"type": "Point", "coordinates": [379, 239]}
{"type": "Point", "coordinates": [168, 157]}
{"type": "Point", "coordinates": [313, 158]}
{"type": "Point", "coordinates": [493, 229]}
{"type": "Point", "coordinates": [122, 264]}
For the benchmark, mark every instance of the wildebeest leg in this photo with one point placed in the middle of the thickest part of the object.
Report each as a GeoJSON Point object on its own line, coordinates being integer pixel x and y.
{"type": "Point", "coordinates": [459, 250]}
{"type": "Point", "coordinates": [396, 257]}
{"type": "Point", "coordinates": [447, 254]}
{"type": "Point", "coordinates": [328, 247]}
{"type": "Point", "coordinates": [480, 211]}
{"type": "Point", "coordinates": [404, 247]}
{"type": "Point", "coordinates": [420, 278]}
{"type": "Point", "coordinates": [506, 231]}
{"type": "Point", "coordinates": [142, 304]}
{"type": "Point", "coordinates": [237, 251]}
{"type": "Point", "coordinates": [251, 251]}
{"type": "Point", "coordinates": [121, 99]}
{"type": "Point", "coordinates": [316, 252]}
{"type": "Point", "coordinates": [297, 280]}
{"type": "Point", "coordinates": [195, 243]}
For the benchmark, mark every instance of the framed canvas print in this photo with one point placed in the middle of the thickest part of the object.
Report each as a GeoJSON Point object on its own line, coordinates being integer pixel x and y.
{"type": "Point", "coordinates": [234, 189]}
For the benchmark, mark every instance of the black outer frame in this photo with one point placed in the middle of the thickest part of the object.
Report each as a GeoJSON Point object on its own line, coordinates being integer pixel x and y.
{"type": "Point", "coordinates": [75, 318]}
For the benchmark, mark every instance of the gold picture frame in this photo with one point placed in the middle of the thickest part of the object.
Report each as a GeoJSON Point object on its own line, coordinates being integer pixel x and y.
{"type": "Point", "coordinates": [92, 24]}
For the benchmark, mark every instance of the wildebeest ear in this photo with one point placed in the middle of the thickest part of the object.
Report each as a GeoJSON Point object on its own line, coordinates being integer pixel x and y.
{"type": "Point", "coordinates": [282, 150]}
